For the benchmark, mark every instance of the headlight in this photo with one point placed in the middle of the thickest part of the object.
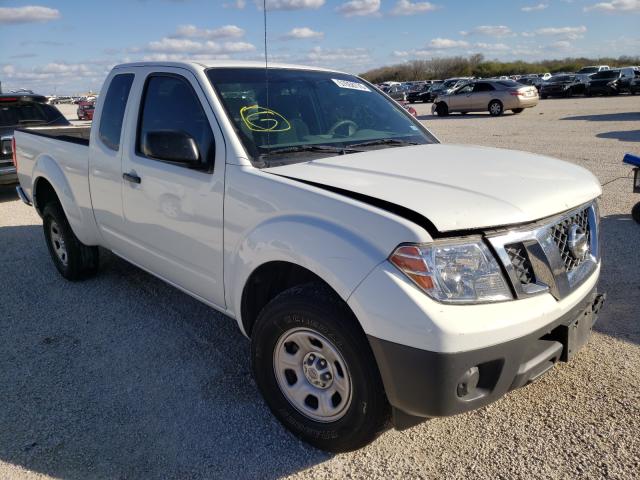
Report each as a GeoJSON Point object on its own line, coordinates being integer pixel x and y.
{"type": "Point", "coordinates": [462, 271]}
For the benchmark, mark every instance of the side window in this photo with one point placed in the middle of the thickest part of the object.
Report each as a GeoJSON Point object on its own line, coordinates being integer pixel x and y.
{"type": "Point", "coordinates": [113, 110]}
{"type": "Point", "coordinates": [483, 87]}
{"type": "Point", "coordinates": [171, 114]}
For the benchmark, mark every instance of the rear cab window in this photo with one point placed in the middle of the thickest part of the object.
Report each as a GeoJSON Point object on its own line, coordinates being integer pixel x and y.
{"type": "Point", "coordinates": [113, 110]}
{"type": "Point", "coordinates": [23, 114]}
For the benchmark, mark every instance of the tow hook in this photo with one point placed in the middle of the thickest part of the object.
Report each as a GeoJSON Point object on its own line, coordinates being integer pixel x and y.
{"type": "Point", "coordinates": [598, 302]}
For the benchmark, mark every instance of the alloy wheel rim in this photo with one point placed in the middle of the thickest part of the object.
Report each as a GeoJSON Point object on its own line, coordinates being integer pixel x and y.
{"type": "Point", "coordinates": [59, 246]}
{"type": "Point", "coordinates": [312, 375]}
{"type": "Point", "coordinates": [495, 108]}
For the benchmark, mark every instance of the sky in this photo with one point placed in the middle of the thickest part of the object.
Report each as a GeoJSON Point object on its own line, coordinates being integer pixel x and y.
{"type": "Point", "coordinates": [68, 46]}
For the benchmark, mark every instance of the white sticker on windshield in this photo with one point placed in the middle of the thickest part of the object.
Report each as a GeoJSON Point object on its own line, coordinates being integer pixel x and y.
{"type": "Point", "coordinates": [351, 85]}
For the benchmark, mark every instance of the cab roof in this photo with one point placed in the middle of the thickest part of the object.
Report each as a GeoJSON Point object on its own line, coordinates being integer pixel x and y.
{"type": "Point", "coordinates": [223, 64]}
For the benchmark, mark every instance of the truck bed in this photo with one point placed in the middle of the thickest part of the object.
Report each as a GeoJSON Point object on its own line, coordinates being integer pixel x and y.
{"type": "Point", "coordinates": [74, 134]}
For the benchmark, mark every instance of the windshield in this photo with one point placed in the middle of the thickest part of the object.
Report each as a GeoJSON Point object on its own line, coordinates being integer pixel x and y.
{"type": "Point", "coordinates": [606, 74]}
{"type": "Point", "coordinates": [310, 113]}
{"type": "Point", "coordinates": [21, 114]}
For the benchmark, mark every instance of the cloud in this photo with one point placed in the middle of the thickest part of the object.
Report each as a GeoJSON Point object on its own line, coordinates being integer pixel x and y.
{"type": "Point", "coordinates": [187, 46]}
{"type": "Point", "coordinates": [359, 8]}
{"type": "Point", "coordinates": [535, 8]}
{"type": "Point", "coordinates": [29, 14]}
{"type": "Point", "coordinates": [446, 43]}
{"type": "Point", "coordinates": [406, 7]}
{"type": "Point", "coordinates": [239, 4]}
{"type": "Point", "coordinates": [291, 4]}
{"type": "Point", "coordinates": [568, 33]}
{"type": "Point", "coordinates": [493, 47]}
{"type": "Point", "coordinates": [301, 33]}
{"type": "Point", "coordinates": [615, 6]}
{"type": "Point", "coordinates": [226, 31]}
{"type": "Point", "coordinates": [351, 56]}
{"type": "Point", "coordinates": [561, 45]}
{"type": "Point", "coordinates": [490, 31]}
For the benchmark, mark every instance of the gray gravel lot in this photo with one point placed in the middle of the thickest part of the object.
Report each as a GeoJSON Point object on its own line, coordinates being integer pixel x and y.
{"type": "Point", "coordinates": [124, 377]}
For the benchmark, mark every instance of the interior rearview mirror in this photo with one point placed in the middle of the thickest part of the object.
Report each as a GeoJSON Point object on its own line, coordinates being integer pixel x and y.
{"type": "Point", "coordinates": [171, 146]}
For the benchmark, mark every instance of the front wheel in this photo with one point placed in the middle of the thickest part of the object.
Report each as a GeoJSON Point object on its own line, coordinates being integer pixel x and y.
{"type": "Point", "coordinates": [442, 110]}
{"type": "Point", "coordinates": [73, 259]}
{"type": "Point", "coordinates": [316, 371]}
{"type": "Point", "coordinates": [495, 108]}
{"type": "Point", "coordinates": [635, 212]}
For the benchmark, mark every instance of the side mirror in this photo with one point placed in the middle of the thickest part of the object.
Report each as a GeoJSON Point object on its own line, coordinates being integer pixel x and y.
{"type": "Point", "coordinates": [173, 146]}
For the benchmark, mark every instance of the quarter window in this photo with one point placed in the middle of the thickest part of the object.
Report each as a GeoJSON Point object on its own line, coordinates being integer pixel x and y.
{"type": "Point", "coordinates": [171, 104]}
{"type": "Point", "coordinates": [113, 110]}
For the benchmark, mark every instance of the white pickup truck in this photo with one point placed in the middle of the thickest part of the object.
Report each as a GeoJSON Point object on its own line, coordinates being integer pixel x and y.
{"type": "Point", "coordinates": [378, 273]}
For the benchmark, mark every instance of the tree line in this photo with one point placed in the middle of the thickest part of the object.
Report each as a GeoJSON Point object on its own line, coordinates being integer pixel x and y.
{"type": "Point", "coordinates": [477, 66]}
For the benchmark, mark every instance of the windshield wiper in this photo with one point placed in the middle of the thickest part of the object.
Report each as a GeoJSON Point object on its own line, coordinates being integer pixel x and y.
{"type": "Point", "coordinates": [383, 141]}
{"type": "Point", "coordinates": [310, 148]}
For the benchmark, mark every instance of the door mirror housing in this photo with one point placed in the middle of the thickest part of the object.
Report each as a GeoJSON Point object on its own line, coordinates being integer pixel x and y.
{"type": "Point", "coordinates": [173, 146]}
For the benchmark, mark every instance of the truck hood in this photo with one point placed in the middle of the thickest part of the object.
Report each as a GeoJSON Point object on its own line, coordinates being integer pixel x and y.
{"type": "Point", "coordinates": [455, 187]}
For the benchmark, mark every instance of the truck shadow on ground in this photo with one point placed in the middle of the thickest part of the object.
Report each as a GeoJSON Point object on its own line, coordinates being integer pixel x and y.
{"type": "Point", "coordinates": [607, 117]}
{"type": "Point", "coordinates": [619, 236]}
{"type": "Point", "coordinates": [8, 193]}
{"type": "Point", "coordinates": [622, 135]}
{"type": "Point", "coordinates": [122, 376]}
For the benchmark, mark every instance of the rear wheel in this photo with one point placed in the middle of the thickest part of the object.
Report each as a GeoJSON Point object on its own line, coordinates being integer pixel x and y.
{"type": "Point", "coordinates": [316, 371]}
{"type": "Point", "coordinates": [73, 259]}
{"type": "Point", "coordinates": [495, 108]}
{"type": "Point", "coordinates": [517, 110]}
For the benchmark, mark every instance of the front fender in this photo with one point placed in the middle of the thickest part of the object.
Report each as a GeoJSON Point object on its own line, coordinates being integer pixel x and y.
{"type": "Point", "coordinates": [338, 255]}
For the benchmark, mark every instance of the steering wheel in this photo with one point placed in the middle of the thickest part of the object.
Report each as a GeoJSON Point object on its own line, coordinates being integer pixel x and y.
{"type": "Point", "coordinates": [340, 123]}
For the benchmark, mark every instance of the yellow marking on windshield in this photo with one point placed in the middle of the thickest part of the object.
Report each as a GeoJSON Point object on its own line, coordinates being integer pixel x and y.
{"type": "Point", "coordinates": [262, 119]}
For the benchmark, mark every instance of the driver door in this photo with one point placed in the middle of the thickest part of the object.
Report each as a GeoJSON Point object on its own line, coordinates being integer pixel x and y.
{"type": "Point", "coordinates": [461, 98]}
{"type": "Point", "coordinates": [173, 212]}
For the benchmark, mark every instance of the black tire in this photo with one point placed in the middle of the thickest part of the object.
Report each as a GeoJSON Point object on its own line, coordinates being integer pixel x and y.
{"type": "Point", "coordinates": [635, 212]}
{"type": "Point", "coordinates": [442, 109]}
{"type": "Point", "coordinates": [495, 108]}
{"type": "Point", "coordinates": [517, 110]}
{"type": "Point", "coordinates": [463, 113]}
{"type": "Point", "coordinates": [315, 308]}
{"type": "Point", "coordinates": [588, 93]}
{"type": "Point", "coordinates": [543, 97]}
{"type": "Point", "coordinates": [78, 261]}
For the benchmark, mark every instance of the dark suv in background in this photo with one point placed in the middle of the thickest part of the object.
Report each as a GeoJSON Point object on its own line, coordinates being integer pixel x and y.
{"type": "Point", "coordinates": [17, 111]}
{"type": "Point", "coordinates": [606, 82]}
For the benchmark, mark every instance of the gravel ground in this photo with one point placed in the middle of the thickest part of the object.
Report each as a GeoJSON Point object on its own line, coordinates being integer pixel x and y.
{"type": "Point", "coordinates": [123, 377]}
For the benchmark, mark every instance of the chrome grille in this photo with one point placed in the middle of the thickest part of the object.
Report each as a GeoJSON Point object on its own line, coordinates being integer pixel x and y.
{"type": "Point", "coordinates": [560, 235]}
{"type": "Point", "coordinates": [521, 263]}
{"type": "Point", "coordinates": [554, 255]}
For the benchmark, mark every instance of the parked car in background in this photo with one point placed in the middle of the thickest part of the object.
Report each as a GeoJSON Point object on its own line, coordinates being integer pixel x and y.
{"type": "Point", "coordinates": [22, 110]}
{"type": "Point", "coordinates": [381, 276]}
{"type": "Point", "coordinates": [397, 92]}
{"type": "Point", "coordinates": [494, 96]}
{"type": "Point", "coordinates": [421, 94]}
{"type": "Point", "coordinates": [605, 82]}
{"type": "Point", "coordinates": [545, 76]}
{"type": "Point", "coordinates": [532, 80]}
{"type": "Point", "coordinates": [85, 110]}
{"type": "Point", "coordinates": [627, 75]}
{"type": "Point", "coordinates": [593, 69]}
{"type": "Point", "coordinates": [634, 85]}
{"type": "Point", "coordinates": [448, 85]}
{"type": "Point", "coordinates": [564, 85]}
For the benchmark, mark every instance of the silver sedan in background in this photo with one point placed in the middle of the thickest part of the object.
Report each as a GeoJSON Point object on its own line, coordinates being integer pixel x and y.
{"type": "Point", "coordinates": [494, 96]}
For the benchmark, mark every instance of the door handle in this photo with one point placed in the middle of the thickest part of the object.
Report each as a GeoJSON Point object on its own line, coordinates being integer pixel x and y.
{"type": "Point", "coordinates": [131, 177]}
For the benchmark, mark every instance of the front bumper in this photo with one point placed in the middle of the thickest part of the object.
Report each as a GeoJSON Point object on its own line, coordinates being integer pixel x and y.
{"type": "Point", "coordinates": [421, 383]}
